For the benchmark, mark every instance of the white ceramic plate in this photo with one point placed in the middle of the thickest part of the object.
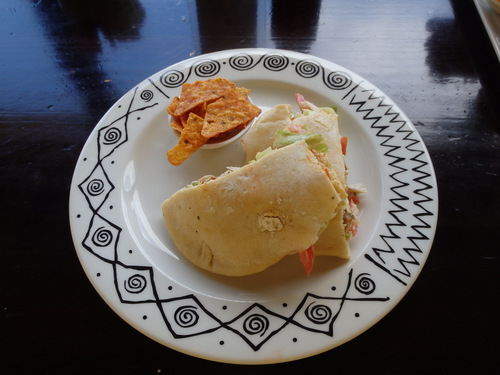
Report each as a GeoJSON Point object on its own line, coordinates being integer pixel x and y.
{"type": "Point", "coordinates": [123, 176]}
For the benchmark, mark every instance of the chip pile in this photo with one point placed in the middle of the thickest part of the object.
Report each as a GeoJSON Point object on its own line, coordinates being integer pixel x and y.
{"type": "Point", "coordinates": [208, 111]}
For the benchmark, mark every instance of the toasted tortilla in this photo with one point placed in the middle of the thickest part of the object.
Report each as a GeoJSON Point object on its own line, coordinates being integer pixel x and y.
{"type": "Point", "coordinates": [245, 221]}
{"type": "Point", "coordinates": [262, 133]}
{"type": "Point", "coordinates": [332, 241]}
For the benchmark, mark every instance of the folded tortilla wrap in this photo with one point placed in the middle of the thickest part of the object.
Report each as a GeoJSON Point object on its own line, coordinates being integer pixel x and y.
{"type": "Point", "coordinates": [334, 241]}
{"type": "Point", "coordinates": [247, 220]}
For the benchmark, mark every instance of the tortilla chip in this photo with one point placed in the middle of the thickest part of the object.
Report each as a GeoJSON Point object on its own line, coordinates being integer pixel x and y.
{"type": "Point", "coordinates": [200, 110]}
{"type": "Point", "coordinates": [190, 140]}
{"type": "Point", "coordinates": [179, 122]}
{"type": "Point", "coordinates": [227, 113]}
{"type": "Point", "coordinates": [171, 108]}
{"type": "Point", "coordinates": [243, 92]}
{"type": "Point", "coordinates": [194, 94]}
{"type": "Point", "coordinates": [176, 123]}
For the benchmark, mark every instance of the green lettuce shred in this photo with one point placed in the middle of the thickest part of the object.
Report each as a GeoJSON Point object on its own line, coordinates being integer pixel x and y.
{"type": "Point", "coordinates": [330, 110]}
{"type": "Point", "coordinates": [313, 140]}
{"type": "Point", "coordinates": [263, 153]}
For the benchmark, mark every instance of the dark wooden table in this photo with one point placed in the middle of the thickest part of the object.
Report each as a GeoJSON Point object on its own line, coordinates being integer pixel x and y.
{"type": "Point", "coordinates": [64, 63]}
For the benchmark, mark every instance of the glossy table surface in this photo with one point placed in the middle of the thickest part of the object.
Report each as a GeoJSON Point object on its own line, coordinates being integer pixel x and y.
{"type": "Point", "coordinates": [64, 63]}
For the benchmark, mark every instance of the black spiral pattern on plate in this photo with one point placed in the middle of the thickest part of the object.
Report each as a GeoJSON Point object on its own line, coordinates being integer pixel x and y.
{"type": "Point", "coordinates": [337, 80]}
{"type": "Point", "coordinates": [102, 237]}
{"type": "Point", "coordinates": [112, 136]}
{"type": "Point", "coordinates": [318, 314]}
{"type": "Point", "coordinates": [95, 187]}
{"type": "Point", "coordinates": [135, 284]}
{"type": "Point", "coordinates": [307, 68]}
{"type": "Point", "coordinates": [241, 61]}
{"type": "Point", "coordinates": [207, 68]}
{"type": "Point", "coordinates": [364, 284]}
{"type": "Point", "coordinates": [256, 324]}
{"type": "Point", "coordinates": [275, 62]}
{"type": "Point", "coordinates": [147, 95]}
{"type": "Point", "coordinates": [172, 78]}
{"type": "Point", "coordinates": [186, 316]}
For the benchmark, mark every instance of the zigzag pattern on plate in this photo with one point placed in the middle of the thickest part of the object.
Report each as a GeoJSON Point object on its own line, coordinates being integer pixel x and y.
{"type": "Point", "coordinates": [388, 125]}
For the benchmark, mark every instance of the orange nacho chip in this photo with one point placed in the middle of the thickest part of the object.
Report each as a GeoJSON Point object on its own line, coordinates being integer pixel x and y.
{"type": "Point", "coordinates": [194, 94]}
{"type": "Point", "coordinates": [171, 108]}
{"type": "Point", "coordinates": [190, 140]}
{"type": "Point", "coordinates": [232, 110]}
{"type": "Point", "coordinates": [176, 123]}
{"type": "Point", "coordinates": [243, 92]}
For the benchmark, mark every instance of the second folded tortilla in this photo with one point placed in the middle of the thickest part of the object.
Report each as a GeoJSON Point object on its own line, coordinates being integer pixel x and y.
{"type": "Point", "coordinates": [333, 241]}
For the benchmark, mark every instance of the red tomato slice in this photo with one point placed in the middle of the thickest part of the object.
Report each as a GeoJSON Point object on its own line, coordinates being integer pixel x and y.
{"type": "Point", "coordinates": [343, 142]}
{"type": "Point", "coordinates": [307, 259]}
{"type": "Point", "coordinates": [354, 199]}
